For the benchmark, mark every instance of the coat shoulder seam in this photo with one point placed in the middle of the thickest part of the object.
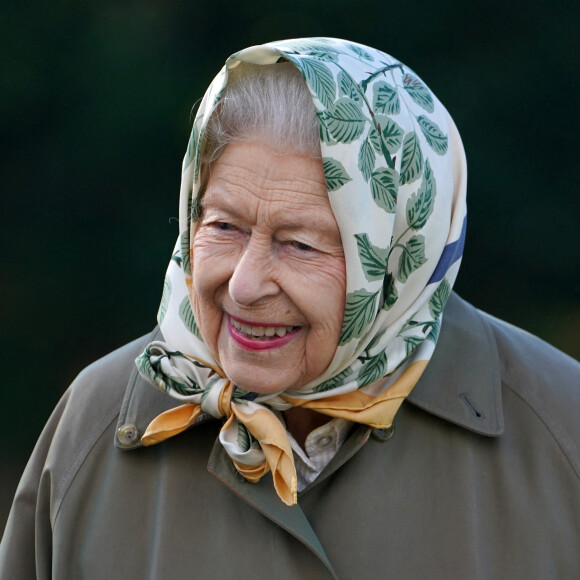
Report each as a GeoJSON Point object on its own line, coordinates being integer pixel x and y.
{"type": "Point", "coordinates": [553, 435]}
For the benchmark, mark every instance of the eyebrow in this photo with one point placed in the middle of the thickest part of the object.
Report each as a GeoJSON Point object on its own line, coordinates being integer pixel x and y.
{"type": "Point", "coordinates": [324, 227]}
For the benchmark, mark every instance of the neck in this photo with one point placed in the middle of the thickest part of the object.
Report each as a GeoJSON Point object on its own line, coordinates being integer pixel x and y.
{"type": "Point", "coordinates": [300, 422]}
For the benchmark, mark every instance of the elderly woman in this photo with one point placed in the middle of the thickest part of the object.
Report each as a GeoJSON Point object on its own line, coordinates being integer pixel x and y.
{"type": "Point", "coordinates": [322, 221]}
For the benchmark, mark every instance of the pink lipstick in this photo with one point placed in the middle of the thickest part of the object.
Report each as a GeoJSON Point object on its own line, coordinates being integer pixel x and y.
{"type": "Point", "coordinates": [259, 343]}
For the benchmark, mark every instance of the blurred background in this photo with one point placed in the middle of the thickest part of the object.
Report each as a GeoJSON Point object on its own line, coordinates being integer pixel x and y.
{"type": "Point", "coordinates": [95, 113]}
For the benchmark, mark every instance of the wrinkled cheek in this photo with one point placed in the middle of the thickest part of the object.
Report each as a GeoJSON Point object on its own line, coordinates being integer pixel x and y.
{"type": "Point", "coordinates": [207, 287]}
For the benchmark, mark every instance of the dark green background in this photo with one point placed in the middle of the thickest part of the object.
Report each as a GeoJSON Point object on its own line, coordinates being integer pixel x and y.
{"type": "Point", "coordinates": [95, 101]}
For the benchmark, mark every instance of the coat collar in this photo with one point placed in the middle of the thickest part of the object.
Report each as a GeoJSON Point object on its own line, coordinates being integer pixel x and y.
{"type": "Point", "coordinates": [462, 382]}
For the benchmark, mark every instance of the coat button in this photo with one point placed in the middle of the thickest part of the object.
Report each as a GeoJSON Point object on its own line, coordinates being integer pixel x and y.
{"type": "Point", "coordinates": [127, 435]}
{"type": "Point", "coordinates": [383, 434]}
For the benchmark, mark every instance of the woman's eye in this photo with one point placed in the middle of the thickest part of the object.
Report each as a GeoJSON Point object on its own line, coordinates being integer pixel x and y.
{"type": "Point", "coordinates": [224, 226]}
{"type": "Point", "coordinates": [302, 247]}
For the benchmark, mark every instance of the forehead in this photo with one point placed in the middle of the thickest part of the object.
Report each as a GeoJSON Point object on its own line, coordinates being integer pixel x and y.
{"type": "Point", "coordinates": [250, 177]}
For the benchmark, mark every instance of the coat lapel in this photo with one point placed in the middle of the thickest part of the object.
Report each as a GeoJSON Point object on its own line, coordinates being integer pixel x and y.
{"type": "Point", "coordinates": [462, 382]}
{"type": "Point", "coordinates": [262, 497]}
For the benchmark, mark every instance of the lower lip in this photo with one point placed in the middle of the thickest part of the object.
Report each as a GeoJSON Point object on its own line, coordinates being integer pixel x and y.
{"type": "Point", "coordinates": [243, 341]}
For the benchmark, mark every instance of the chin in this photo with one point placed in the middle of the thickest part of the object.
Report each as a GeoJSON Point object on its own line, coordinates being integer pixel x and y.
{"type": "Point", "coordinates": [250, 380]}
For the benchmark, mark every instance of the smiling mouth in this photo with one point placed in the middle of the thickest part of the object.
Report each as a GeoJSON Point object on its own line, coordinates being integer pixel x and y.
{"type": "Point", "coordinates": [261, 332]}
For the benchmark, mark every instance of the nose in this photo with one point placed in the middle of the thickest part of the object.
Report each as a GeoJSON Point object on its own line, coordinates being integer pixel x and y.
{"type": "Point", "coordinates": [254, 275]}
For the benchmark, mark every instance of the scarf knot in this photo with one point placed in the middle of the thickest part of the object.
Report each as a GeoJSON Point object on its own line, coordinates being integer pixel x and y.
{"type": "Point", "coordinates": [252, 435]}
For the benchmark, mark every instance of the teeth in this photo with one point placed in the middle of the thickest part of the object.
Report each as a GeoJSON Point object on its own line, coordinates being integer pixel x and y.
{"type": "Point", "coordinates": [262, 331]}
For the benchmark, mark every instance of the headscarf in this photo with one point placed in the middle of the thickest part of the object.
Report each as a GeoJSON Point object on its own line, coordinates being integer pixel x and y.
{"type": "Point", "coordinates": [396, 177]}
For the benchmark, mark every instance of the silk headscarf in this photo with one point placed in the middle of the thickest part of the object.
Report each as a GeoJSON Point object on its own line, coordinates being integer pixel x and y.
{"type": "Point", "coordinates": [396, 177]}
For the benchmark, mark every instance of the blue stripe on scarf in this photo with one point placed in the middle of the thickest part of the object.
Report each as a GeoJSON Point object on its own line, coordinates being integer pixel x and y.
{"type": "Point", "coordinates": [451, 253]}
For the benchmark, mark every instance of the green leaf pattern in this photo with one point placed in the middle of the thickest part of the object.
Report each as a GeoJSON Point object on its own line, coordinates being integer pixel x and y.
{"type": "Point", "coordinates": [386, 99]}
{"type": "Point", "coordinates": [390, 133]}
{"type": "Point", "coordinates": [420, 204]}
{"type": "Point", "coordinates": [358, 313]}
{"type": "Point", "coordinates": [439, 298]}
{"type": "Point", "coordinates": [373, 369]}
{"type": "Point", "coordinates": [373, 259]}
{"type": "Point", "coordinates": [390, 293]}
{"type": "Point", "coordinates": [418, 92]}
{"type": "Point", "coordinates": [412, 162]}
{"type": "Point", "coordinates": [323, 131]}
{"type": "Point", "coordinates": [334, 382]}
{"type": "Point", "coordinates": [320, 78]}
{"type": "Point", "coordinates": [384, 188]}
{"type": "Point", "coordinates": [164, 299]}
{"type": "Point", "coordinates": [347, 87]}
{"type": "Point", "coordinates": [187, 317]}
{"type": "Point", "coordinates": [412, 257]}
{"type": "Point", "coordinates": [366, 159]}
{"type": "Point", "coordinates": [245, 438]}
{"type": "Point", "coordinates": [434, 136]}
{"type": "Point", "coordinates": [345, 120]}
{"type": "Point", "coordinates": [335, 173]}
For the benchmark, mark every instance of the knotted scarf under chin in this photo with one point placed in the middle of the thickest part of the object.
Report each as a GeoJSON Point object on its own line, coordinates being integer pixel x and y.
{"type": "Point", "coordinates": [252, 434]}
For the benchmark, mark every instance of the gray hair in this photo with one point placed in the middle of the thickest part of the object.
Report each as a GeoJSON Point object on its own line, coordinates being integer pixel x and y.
{"type": "Point", "coordinates": [266, 103]}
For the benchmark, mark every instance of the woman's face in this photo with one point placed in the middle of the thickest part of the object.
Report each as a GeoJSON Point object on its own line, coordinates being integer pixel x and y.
{"type": "Point", "coordinates": [269, 278]}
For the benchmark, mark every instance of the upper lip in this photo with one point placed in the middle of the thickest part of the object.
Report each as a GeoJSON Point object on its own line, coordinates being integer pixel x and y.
{"type": "Point", "coordinates": [254, 323]}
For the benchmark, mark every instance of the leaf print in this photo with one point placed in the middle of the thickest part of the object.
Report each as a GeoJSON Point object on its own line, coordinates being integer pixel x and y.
{"type": "Point", "coordinates": [386, 99]}
{"type": "Point", "coordinates": [412, 257]}
{"type": "Point", "coordinates": [384, 188]}
{"type": "Point", "coordinates": [434, 332]}
{"type": "Point", "coordinates": [390, 132]}
{"type": "Point", "coordinates": [373, 369]}
{"type": "Point", "coordinates": [390, 294]}
{"type": "Point", "coordinates": [186, 265]}
{"type": "Point", "coordinates": [244, 437]}
{"type": "Point", "coordinates": [333, 382]}
{"type": "Point", "coordinates": [186, 315]}
{"type": "Point", "coordinates": [164, 299]}
{"type": "Point", "coordinates": [335, 173]}
{"type": "Point", "coordinates": [373, 259]}
{"type": "Point", "coordinates": [347, 87]}
{"type": "Point", "coordinates": [308, 48]}
{"type": "Point", "coordinates": [345, 120]}
{"type": "Point", "coordinates": [361, 52]}
{"type": "Point", "coordinates": [195, 209]}
{"type": "Point", "coordinates": [358, 313]}
{"type": "Point", "coordinates": [411, 343]}
{"type": "Point", "coordinates": [433, 134]}
{"type": "Point", "coordinates": [381, 71]}
{"type": "Point", "coordinates": [414, 325]}
{"type": "Point", "coordinates": [418, 92]}
{"type": "Point", "coordinates": [380, 146]}
{"type": "Point", "coordinates": [439, 298]}
{"type": "Point", "coordinates": [323, 54]}
{"type": "Point", "coordinates": [320, 78]}
{"type": "Point", "coordinates": [420, 204]}
{"type": "Point", "coordinates": [412, 160]}
{"type": "Point", "coordinates": [374, 342]}
{"type": "Point", "coordinates": [177, 258]}
{"type": "Point", "coordinates": [323, 131]}
{"type": "Point", "coordinates": [218, 96]}
{"type": "Point", "coordinates": [366, 159]}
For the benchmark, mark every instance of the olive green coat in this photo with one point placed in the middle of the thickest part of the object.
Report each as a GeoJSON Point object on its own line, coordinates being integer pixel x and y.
{"type": "Point", "coordinates": [480, 479]}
